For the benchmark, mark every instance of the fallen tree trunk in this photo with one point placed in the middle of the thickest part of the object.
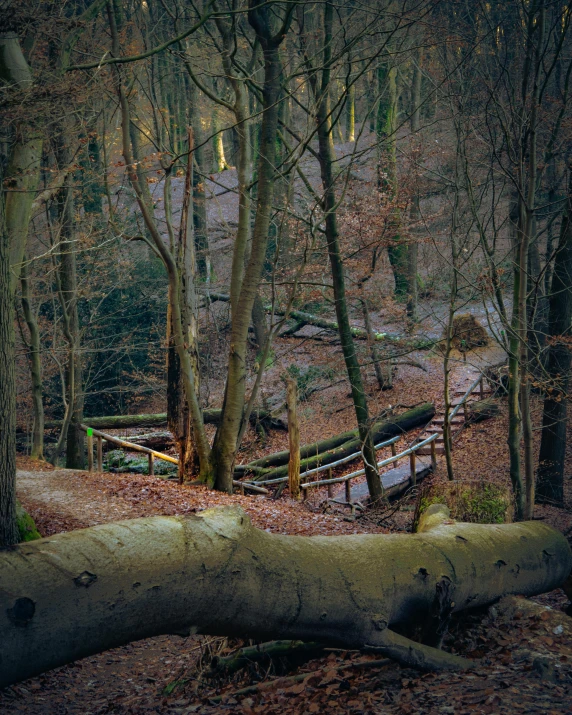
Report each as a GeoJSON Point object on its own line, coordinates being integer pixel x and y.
{"type": "Point", "coordinates": [303, 318]}
{"type": "Point", "coordinates": [83, 592]}
{"type": "Point", "coordinates": [330, 450]}
{"type": "Point", "coordinates": [211, 416]}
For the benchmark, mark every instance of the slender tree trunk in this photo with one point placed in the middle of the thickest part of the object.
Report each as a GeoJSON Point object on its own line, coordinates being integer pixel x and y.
{"type": "Point", "coordinates": [387, 176]}
{"type": "Point", "coordinates": [169, 261]}
{"type": "Point", "coordinates": [382, 383]}
{"type": "Point", "coordinates": [218, 142]}
{"type": "Point", "coordinates": [225, 443]}
{"type": "Point", "coordinates": [550, 475]}
{"type": "Point", "coordinates": [35, 365]}
{"type": "Point", "coordinates": [178, 412]}
{"type": "Point", "coordinates": [75, 443]}
{"type": "Point", "coordinates": [415, 211]}
{"type": "Point", "coordinates": [329, 205]}
{"type": "Point", "coordinates": [8, 528]}
{"type": "Point", "coordinates": [199, 196]}
{"type": "Point", "coordinates": [17, 188]}
{"type": "Point", "coordinates": [293, 438]}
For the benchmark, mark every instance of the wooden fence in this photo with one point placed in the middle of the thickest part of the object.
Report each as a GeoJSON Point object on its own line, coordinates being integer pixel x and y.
{"type": "Point", "coordinates": [410, 452]}
{"type": "Point", "coordinates": [151, 453]}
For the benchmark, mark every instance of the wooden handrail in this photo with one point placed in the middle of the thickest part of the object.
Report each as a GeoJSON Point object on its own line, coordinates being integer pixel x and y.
{"type": "Point", "coordinates": [465, 396]}
{"type": "Point", "coordinates": [383, 463]}
{"type": "Point", "coordinates": [324, 467]}
{"type": "Point", "coordinates": [151, 453]}
{"type": "Point", "coordinates": [129, 445]}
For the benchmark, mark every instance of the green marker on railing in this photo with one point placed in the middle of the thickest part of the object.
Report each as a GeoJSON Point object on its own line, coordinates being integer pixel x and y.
{"type": "Point", "coordinates": [90, 432]}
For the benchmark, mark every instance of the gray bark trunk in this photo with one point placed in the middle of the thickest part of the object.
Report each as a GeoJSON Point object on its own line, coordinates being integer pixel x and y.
{"type": "Point", "coordinates": [76, 594]}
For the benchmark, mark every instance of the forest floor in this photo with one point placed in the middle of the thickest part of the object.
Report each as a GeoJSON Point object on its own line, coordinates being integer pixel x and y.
{"type": "Point", "coordinates": [522, 653]}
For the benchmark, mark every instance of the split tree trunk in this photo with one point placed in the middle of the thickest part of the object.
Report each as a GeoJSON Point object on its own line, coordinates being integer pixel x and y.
{"type": "Point", "coordinates": [178, 412]}
{"type": "Point", "coordinates": [226, 439]}
{"type": "Point", "coordinates": [83, 592]}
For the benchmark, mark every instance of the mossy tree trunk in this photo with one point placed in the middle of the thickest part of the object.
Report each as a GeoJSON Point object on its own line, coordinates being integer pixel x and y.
{"type": "Point", "coordinates": [326, 157]}
{"type": "Point", "coordinates": [214, 573]}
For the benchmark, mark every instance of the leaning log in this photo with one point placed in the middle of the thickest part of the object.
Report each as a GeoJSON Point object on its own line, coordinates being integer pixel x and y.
{"type": "Point", "coordinates": [327, 451]}
{"type": "Point", "coordinates": [211, 416]}
{"type": "Point", "coordinates": [79, 593]}
{"type": "Point", "coordinates": [303, 318]}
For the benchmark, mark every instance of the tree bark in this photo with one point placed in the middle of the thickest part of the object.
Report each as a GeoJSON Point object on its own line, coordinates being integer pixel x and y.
{"type": "Point", "coordinates": [550, 474]}
{"type": "Point", "coordinates": [293, 439]}
{"type": "Point", "coordinates": [225, 442]}
{"type": "Point", "coordinates": [8, 526]}
{"type": "Point", "coordinates": [35, 366]}
{"type": "Point", "coordinates": [178, 412]}
{"type": "Point", "coordinates": [415, 209]}
{"type": "Point", "coordinates": [203, 447]}
{"type": "Point", "coordinates": [339, 590]}
{"type": "Point", "coordinates": [68, 295]}
{"type": "Point", "coordinates": [18, 183]}
{"type": "Point", "coordinates": [326, 158]}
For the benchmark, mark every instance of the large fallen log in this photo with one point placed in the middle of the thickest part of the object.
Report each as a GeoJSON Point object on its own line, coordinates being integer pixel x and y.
{"type": "Point", "coordinates": [330, 450]}
{"type": "Point", "coordinates": [303, 318]}
{"type": "Point", "coordinates": [211, 416]}
{"type": "Point", "coordinates": [83, 592]}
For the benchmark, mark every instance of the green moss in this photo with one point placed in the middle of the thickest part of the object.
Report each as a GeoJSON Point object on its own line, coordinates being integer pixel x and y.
{"type": "Point", "coordinates": [482, 504]}
{"type": "Point", "coordinates": [26, 525]}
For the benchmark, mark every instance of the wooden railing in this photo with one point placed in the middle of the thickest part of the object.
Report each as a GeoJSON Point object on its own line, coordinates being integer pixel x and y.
{"type": "Point", "coordinates": [410, 452]}
{"type": "Point", "coordinates": [151, 453]}
{"type": "Point", "coordinates": [463, 403]}
{"type": "Point", "coordinates": [350, 458]}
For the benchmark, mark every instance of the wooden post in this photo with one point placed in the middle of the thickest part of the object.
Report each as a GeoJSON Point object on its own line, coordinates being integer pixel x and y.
{"type": "Point", "coordinates": [393, 449]}
{"type": "Point", "coordinates": [151, 465]}
{"type": "Point", "coordinates": [413, 469]}
{"type": "Point", "coordinates": [293, 439]}
{"type": "Point", "coordinates": [89, 449]}
{"type": "Point", "coordinates": [481, 389]}
{"type": "Point", "coordinates": [434, 455]}
{"type": "Point", "coordinates": [348, 491]}
{"type": "Point", "coordinates": [465, 411]}
{"type": "Point", "coordinates": [100, 454]}
{"type": "Point", "coordinates": [330, 486]}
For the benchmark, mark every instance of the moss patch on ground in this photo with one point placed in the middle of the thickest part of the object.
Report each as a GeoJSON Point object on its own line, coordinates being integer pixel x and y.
{"type": "Point", "coordinates": [26, 525]}
{"type": "Point", "coordinates": [476, 502]}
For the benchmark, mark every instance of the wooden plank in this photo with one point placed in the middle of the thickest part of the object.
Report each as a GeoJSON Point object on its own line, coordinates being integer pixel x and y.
{"type": "Point", "coordinates": [395, 481]}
